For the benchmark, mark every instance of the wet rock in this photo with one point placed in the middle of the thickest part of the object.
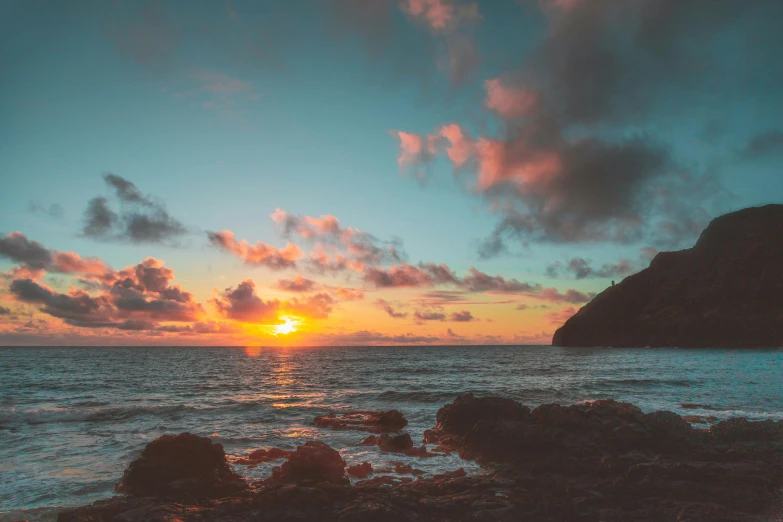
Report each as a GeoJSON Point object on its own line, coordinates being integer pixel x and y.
{"type": "Point", "coordinates": [313, 462]}
{"type": "Point", "coordinates": [375, 511]}
{"type": "Point", "coordinates": [461, 415]}
{"type": "Point", "coordinates": [406, 469]}
{"type": "Point", "coordinates": [457, 473]}
{"type": "Point", "coordinates": [372, 440]}
{"type": "Point", "coordinates": [699, 419]}
{"type": "Point", "coordinates": [179, 465]}
{"type": "Point", "coordinates": [395, 443]}
{"type": "Point", "coordinates": [362, 470]}
{"type": "Point", "coordinates": [370, 421]}
{"type": "Point", "coordinates": [742, 430]}
{"type": "Point", "coordinates": [420, 452]}
{"type": "Point", "coordinates": [264, 455]}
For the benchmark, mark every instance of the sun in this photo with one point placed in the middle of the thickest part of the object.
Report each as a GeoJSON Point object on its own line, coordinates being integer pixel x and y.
{"type": "Point", "coordinates": [289, 326]}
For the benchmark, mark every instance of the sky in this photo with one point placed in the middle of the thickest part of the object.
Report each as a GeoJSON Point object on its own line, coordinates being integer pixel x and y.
{"type": "Point", "coordinates": [360, 172]}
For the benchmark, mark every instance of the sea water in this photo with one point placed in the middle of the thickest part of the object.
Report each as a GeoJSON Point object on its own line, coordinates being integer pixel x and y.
{"type": "Point", "coordinates": [71, 419]}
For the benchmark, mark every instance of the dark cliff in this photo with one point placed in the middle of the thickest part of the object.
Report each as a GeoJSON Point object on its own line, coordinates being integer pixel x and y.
{"type": "Point", "coordinates": [725, 292]}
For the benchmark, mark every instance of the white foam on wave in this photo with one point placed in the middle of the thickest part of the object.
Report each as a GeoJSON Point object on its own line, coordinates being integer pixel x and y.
{"type": "Point", "coordinates": [55, 415]}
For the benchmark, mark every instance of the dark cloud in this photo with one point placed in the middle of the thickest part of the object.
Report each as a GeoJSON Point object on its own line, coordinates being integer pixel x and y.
{"type": "Point", "coordinates": [55, 210]}
{"type": "Point", "coordinates": [4, 311]}
{"type": "Point", "coordinates": [581, 268]}
{"type": "Point", "coordinates": [463, 316]}
{"type": "Point", "coordinates": [578, 157]}
{"type": "Point", "coordinates": [478, 281]}
{"type": "Point", "coordinates": [387, 307]}
{"type": "Point", "coordinates": [405, 275]}
{"type": "Point", "coordinates": [429, 316]}
{"type": "Point", "coordinates": [762, 144]}
{"type": "Point", "coordinates": [242, 304]}
{"type": "Point", "coordinates": [140, 219]}
{"type": "Point", "coordinates": [16, 247]}
{"type": "Point", "coordinates": [76, 305]}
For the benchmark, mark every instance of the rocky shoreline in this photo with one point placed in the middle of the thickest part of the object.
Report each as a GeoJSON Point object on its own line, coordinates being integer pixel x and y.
{"type": "Point", "coordinates": [598, 461]}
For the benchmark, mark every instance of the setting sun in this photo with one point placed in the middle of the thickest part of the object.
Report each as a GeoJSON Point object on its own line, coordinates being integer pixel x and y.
{"type": "Point", "coordinates": [289, 326]}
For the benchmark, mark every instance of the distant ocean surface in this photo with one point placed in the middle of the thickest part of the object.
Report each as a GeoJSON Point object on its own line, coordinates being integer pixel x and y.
{"type": "Point", "coordinates": [71, 419]}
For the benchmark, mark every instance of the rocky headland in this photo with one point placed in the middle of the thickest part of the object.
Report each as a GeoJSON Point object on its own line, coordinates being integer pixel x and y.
{"type": "Point", "coordinates": [725, 292]}
{"type": "Point", "coordinates": [596, 461]}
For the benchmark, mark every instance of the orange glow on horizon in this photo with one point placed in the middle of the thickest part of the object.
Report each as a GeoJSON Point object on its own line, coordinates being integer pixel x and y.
{"type": "Point", "coordinates": [288, 326]}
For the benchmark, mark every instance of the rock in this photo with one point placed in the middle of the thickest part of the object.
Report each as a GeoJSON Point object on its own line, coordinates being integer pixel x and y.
{"type": "Point", "coordinates": [370, 421]}
{"type": "Point", "coordinates": [588, 462]}
{"type": "Point", "coordinates": [461, 415]}
{"type": "Point", "coordinates": [362, 470]}
{"type": "Point", "coordinates": [742, 430]}
{"type": "Point", "coordinates": [313, 462]}
{"type": "Point", "coordinates": [457, 473]}
{"type": "Point", "coordinates": [395, 443]}
{"type": "Point", "coordinates": [179, 465]}
{"type": "Point", "coordinates": [372, 440]}
{"type": "Point", "coordinates": [420, 452]}
{"type": "Point", "coordinates": [722, 293]}
{"type": "Point", "coordinates": [264, 455]}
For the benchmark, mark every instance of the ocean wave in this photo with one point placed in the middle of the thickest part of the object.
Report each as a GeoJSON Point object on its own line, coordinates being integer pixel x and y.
{"type": "Point", "coordinates": [59, 415]}
{"type": "Point", "coordinates": [416, 396]}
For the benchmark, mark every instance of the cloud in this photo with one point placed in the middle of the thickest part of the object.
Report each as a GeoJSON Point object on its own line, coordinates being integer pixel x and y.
{"type": "Point", "coordinates": [428, 315]}
{"type": "Point", "coordinates": [507, 101]}
{"type": "Point", "coordinates": [405, 275]}
{"type": "Point", "coordinates": [463, 316]}
{"type": "Point", "coordinates": [387, 307]}
{"type": "Point", "coordinates": [55, 210]}
{"type": "Point", "coordinates": [561, 316]}
{"type": "Point", "coordinates": [140, 220]}
{"type": "Point", "coordinates": [148, 37]}
{"type": "Point", "coordinates": [478, 281]}
{"type": "Point", "coordinates": [579, 157]}
{"type": "Point", "coordinates": [77, 305]}
{"type": "Point", "coordinates": [764, 143]}
{"type": "Point", "coordinates": [16, 247]}
{"type": "Point", "coordinates": [296, 284]}
{"type": "Point", "coordinates": [348, 294]}
{"type": "Point", "coordinates": [259, 254]}
{"type": "Point", "coordinates": [4, 311]}
{"type": "Point", "coordinates": [336, 247]}
{"type": "Point", "coordinates": [317, 306]}
{"type": "Point", "coordinates": [372, 337]}
{"type": "Point", "coordinates": [447, 23]}
{"type": "Point", "coordinates": [570, 296]}
{"type": "Point", "coordinates": [35, 257]}
{"type": "Point", "coordinates": [242, 304]}
{"type": "Point", "coordinates": [581, 269]}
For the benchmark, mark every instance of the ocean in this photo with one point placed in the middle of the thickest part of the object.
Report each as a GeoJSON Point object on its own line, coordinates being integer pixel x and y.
{"type": "Point", "coordinates": [71, 419]}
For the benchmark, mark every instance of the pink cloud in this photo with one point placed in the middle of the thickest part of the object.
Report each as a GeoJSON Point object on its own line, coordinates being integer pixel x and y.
{"type": "Point", "coordinates": [508, 102]}
{"type": "Point", "coordinates": [296, 284]}
{"type": "Point", "coordinates": [561, 316]}
{"type": "Point", "coordinates": [348, 294]}
{"type": "Point", "coordinates": [259, 254]}
{"type": "Point", "coordinates": [390, 311]}
{"type": "Point", "coordinates": [441, 15]}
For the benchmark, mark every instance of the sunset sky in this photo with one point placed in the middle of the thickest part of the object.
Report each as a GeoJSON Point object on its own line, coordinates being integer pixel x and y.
{"type": "Point", "coordinates": [340, 172]}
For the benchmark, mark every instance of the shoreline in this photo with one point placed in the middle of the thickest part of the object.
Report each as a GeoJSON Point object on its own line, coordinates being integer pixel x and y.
{"type": "Point", "coordinates": [601, 460]}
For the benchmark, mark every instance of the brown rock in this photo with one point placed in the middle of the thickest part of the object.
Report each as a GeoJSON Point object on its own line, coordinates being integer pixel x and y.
{"type": "Point", "coordinates": [370, 421]}
{"type": "Point", "coordinates": [395, 443]}
{"type": "Point", "coordinates": [313, 462]}
{"type": "Point", "coordinates": [362, 470]}
{"type": "Point", "coordinates": [179, 465]}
